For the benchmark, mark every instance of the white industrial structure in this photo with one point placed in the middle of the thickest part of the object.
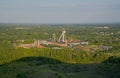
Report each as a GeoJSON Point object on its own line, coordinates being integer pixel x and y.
{"type": "Point", "coordinates": [62, 37]}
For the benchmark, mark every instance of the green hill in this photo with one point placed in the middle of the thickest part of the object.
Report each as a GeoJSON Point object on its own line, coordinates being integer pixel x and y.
{"type": "Point", "coordinates": [42, 67]}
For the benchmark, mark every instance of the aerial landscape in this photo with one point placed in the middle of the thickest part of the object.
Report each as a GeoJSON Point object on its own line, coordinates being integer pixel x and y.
{"type": "Point", "coordinates": [59, 39]}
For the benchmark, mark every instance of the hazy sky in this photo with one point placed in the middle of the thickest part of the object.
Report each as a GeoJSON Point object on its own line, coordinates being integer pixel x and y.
{"type": "Point", "coordinates": [60, 11]}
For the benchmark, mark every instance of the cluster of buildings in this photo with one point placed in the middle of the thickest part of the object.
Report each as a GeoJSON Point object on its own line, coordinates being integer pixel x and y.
{"type": "Point", "coordinates": [62, 42]}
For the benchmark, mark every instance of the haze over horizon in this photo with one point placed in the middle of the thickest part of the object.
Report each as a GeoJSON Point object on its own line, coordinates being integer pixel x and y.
{"type": "Point", "coordinates": [59, 11]}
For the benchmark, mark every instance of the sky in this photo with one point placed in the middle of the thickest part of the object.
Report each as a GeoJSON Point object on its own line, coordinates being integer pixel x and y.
{"type": "Point", "coordinates": [59, 11]}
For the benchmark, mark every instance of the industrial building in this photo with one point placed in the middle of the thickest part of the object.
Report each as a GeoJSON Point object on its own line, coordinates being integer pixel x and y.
{"type": "Point", "coordinates": [35, 44]}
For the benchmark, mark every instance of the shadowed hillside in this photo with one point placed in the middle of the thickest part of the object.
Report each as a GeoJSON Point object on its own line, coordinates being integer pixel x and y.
{"type": "Point", "coordinates": [42, 67]}
{"type": "Point", "coordinates": [111, 67]}
{"type": "Point", "coordinates": [38, 60]}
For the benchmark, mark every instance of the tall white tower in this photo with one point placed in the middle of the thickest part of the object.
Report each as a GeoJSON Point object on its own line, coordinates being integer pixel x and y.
{"type": "Point", "coordinates": [62, 37]}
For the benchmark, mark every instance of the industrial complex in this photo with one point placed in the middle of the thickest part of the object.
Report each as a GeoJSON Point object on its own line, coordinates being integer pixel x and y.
{"type": "Point", "coordinates": [62, 43]}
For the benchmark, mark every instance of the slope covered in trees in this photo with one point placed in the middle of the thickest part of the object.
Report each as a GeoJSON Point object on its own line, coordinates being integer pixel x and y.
{"type": "Point", "coordinates": [16, 62]}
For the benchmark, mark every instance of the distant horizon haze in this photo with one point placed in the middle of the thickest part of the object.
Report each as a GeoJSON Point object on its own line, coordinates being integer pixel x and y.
{"type": "Point", "coordinates": [60, 11]}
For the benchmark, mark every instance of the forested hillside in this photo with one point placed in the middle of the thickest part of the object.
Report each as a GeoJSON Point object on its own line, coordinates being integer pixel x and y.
{"type": "Point", "coordinates": [18, 62]}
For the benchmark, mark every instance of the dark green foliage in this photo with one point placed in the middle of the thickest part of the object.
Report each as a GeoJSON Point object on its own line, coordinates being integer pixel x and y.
{"type": "Point", "coordinates": [38, 61]}
{"type": "Point", "coordinates": [113, 60]}
{"type": "Point", "coordinates": [18, 62]}
{"type": "Point", "coordinates": [21, 75]}
{"type": "Point", "coordinates": [110, 67]}
{"type": "Point", "coordinates": [27, 68]}
{"type": "Point", "coordinates": [65, 55]}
